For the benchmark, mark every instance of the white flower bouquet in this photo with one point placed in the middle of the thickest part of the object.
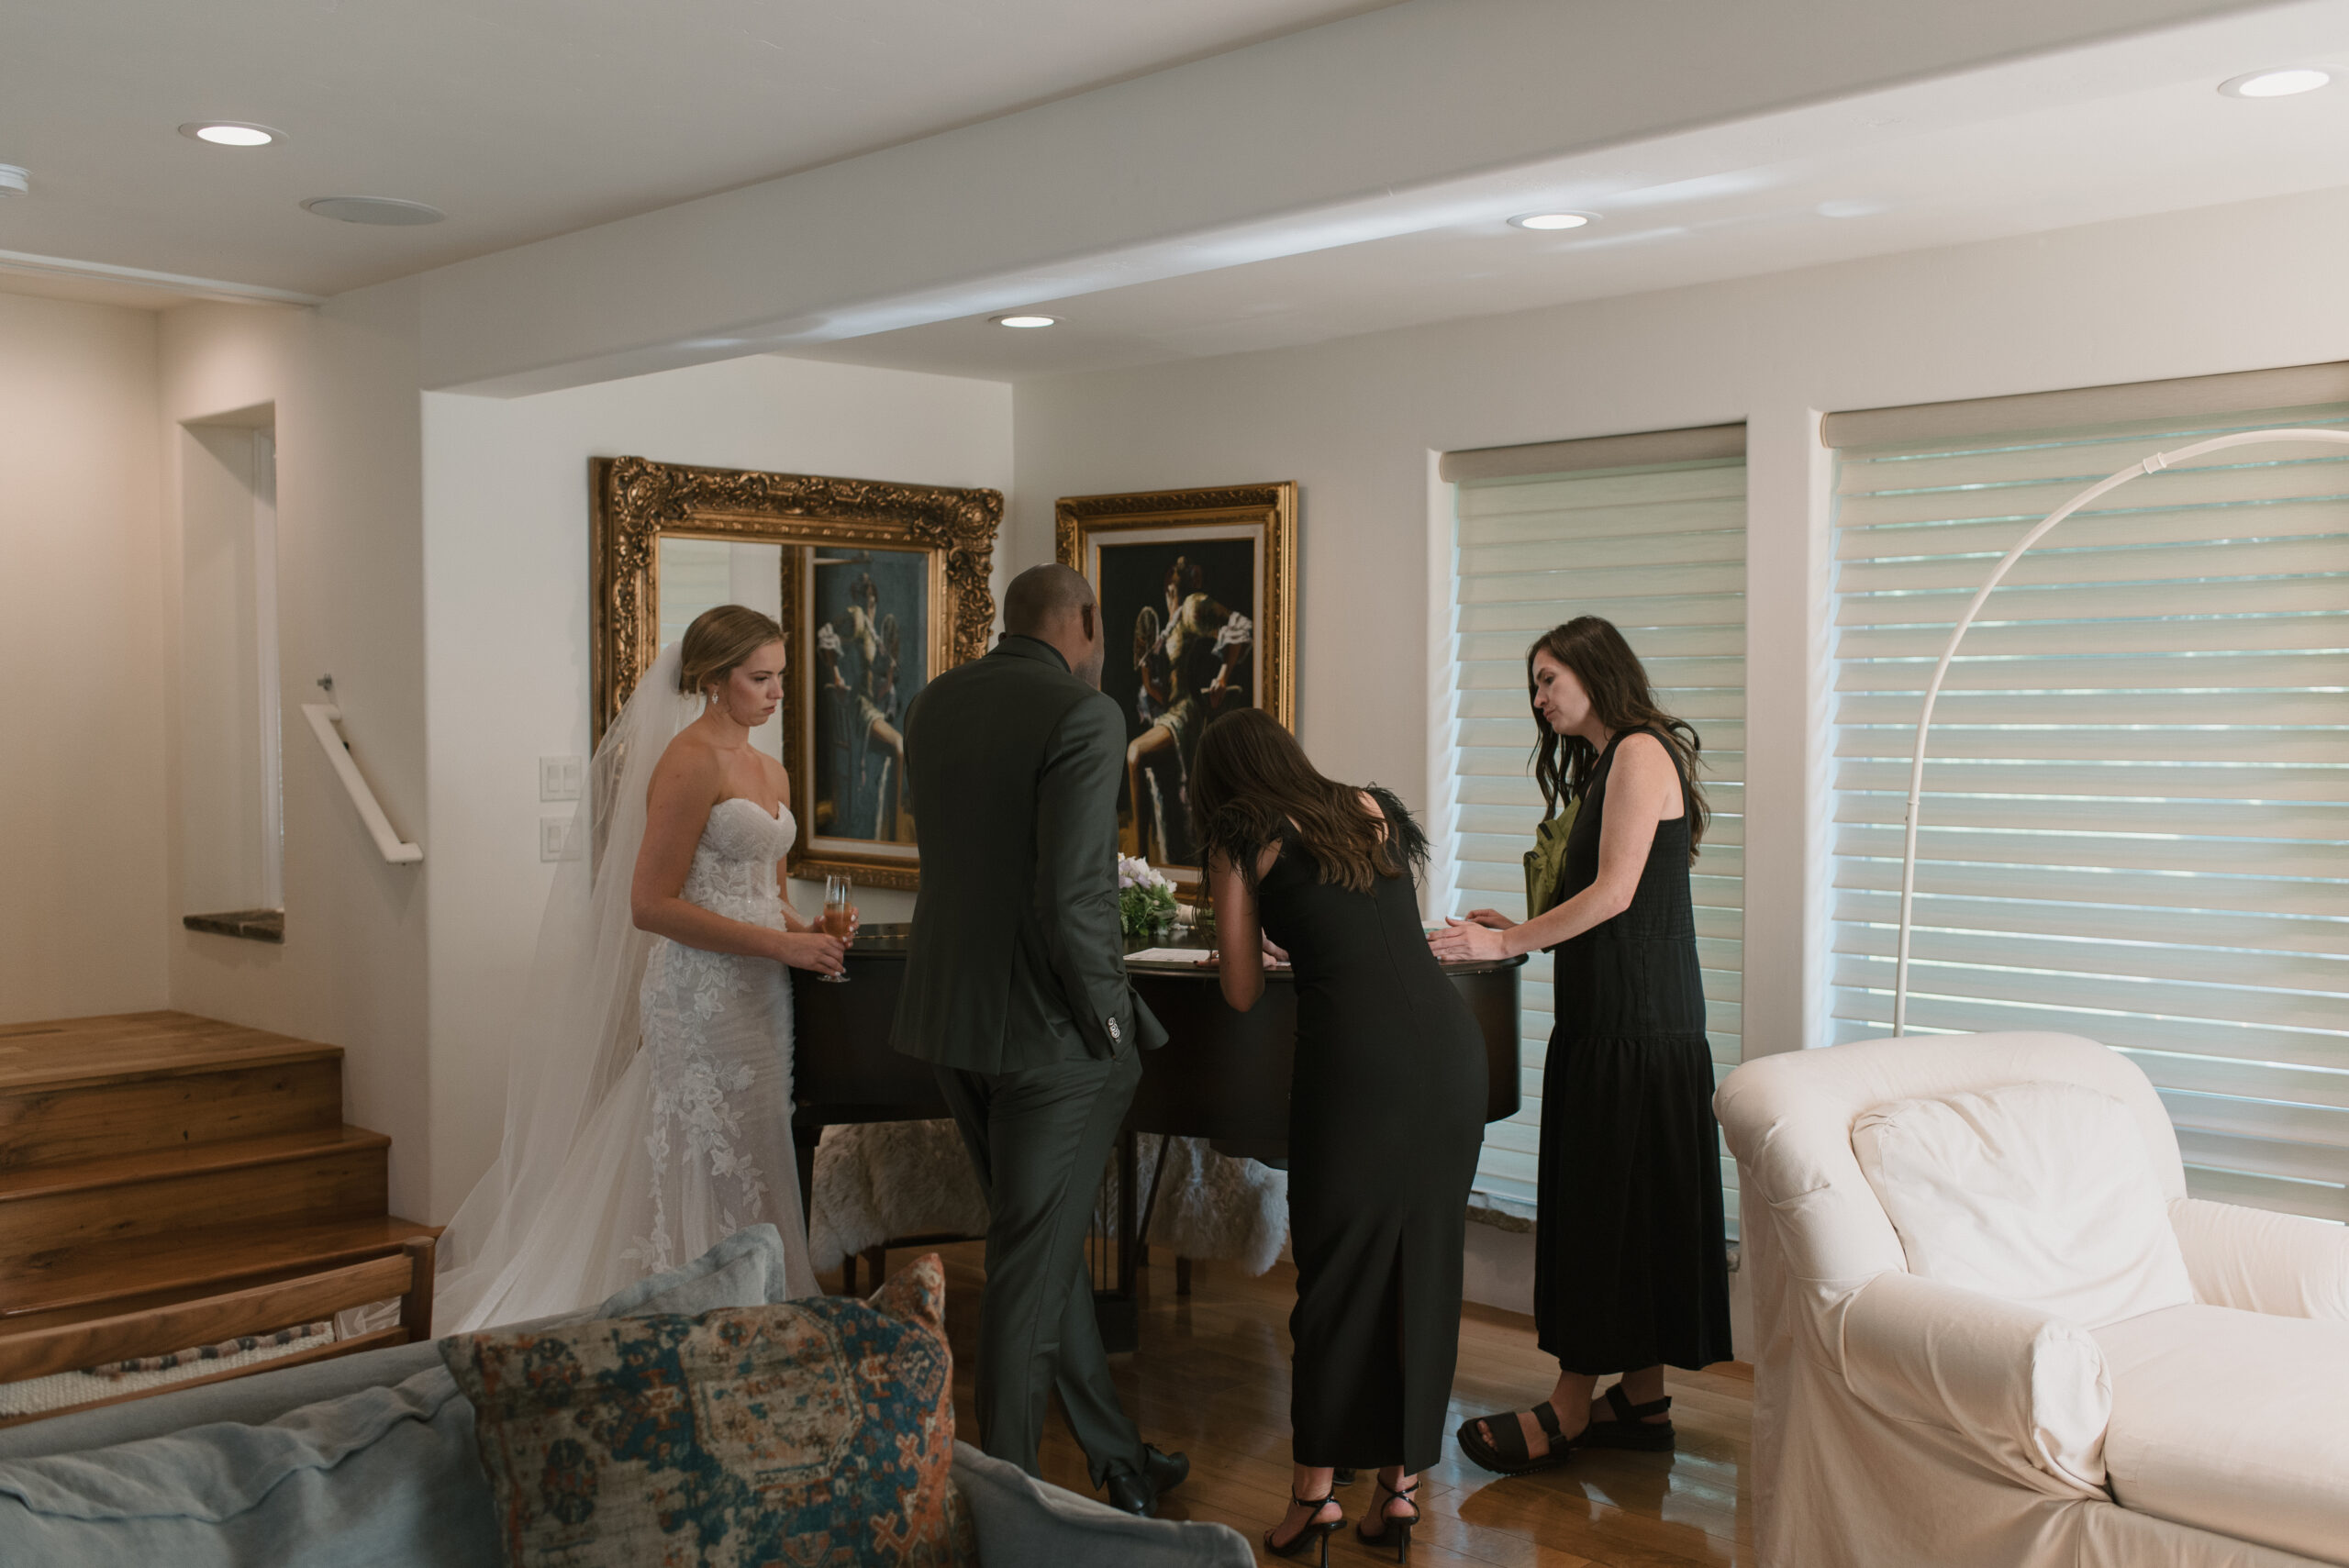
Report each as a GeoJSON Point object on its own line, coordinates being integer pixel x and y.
{"type": "Point", "coordinates": [1145, 898]}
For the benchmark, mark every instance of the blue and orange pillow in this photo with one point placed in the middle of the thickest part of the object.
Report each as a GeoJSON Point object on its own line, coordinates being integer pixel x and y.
{"type": "Point", "coordinates": [820, 1430]}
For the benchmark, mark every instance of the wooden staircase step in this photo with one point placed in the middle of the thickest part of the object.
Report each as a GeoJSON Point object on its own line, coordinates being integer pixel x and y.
{"type": "Point", "coordinates": [67, 1052]}
{"type": "Point", "coordinates": [102, 1279]}
{"type": "Point", "coordinates": [181, 1159]}
{"type": "Point", "coordinates": [292, 1178]}
{"type": "Point", "coordinates": [79, 1089]}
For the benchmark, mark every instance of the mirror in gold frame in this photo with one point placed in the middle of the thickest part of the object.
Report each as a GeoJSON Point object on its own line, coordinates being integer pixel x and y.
{"type": "Point", "coordinates": [878, 587]}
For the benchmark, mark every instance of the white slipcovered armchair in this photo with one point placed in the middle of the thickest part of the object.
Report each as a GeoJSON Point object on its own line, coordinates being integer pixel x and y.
{"type": "Point", "coordinates": [1992, 1328]}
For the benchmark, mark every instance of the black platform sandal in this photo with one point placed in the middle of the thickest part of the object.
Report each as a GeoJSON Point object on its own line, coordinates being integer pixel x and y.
{"type": "Point", "coordinates": [1314, 1528]}
{"type": "Point", "coordinates": [1390, 1528]}
{"type": "Point", "coordinates": [1506, 1453]}
{"type": "Point", "coordinates": [1631, 1428]}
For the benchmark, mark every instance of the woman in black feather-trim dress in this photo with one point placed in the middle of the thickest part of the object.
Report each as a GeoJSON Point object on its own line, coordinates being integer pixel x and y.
{"type": "Point", "coordinates": [1386, 1113]}
{"type": "Point", "coordinates": [1630, 1263]}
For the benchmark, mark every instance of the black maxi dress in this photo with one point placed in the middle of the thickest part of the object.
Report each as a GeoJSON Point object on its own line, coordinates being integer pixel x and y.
{"type": "Point", "coordinates": [1386, 1113]}
{"type": "Point", "coordinates": [1631, 1266]}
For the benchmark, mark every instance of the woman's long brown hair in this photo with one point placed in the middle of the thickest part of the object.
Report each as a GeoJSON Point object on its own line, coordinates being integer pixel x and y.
{"type": "Point", "coordinates": [1618, 685]}
{"type": "Point", "coordinates": [1251, 781]}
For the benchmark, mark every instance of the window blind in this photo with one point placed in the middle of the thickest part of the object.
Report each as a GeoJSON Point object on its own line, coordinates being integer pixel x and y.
{"type": "Point", "coordinates": [2135, 824]}
{"type": "Point", "coordinates": [1660, 550]}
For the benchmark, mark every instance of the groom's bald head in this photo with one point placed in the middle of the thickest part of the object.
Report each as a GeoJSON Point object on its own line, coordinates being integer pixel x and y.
{"type": "Point", "coordinates": [1042, 595]}
{"type": "Point", "coordinates": [1054, 604]}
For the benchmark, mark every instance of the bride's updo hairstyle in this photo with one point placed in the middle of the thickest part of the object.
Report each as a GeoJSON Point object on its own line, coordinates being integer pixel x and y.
{"type": "Point", "coordinates": [717, 641]}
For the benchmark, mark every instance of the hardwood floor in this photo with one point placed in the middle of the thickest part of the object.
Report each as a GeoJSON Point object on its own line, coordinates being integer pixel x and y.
{"type": "Point", "coordinates": [1211, 1379]}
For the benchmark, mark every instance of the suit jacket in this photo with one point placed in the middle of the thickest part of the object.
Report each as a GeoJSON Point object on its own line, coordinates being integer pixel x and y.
{"type": "Point", "coordinates": [1017, 958]}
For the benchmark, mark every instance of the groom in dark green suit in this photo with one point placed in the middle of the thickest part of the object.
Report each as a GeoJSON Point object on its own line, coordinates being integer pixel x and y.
{"type": "Point", "coordinates": [1016, 991]}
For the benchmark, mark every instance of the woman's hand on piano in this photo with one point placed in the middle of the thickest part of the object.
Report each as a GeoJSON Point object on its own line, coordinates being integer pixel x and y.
{"type": "Point", "coordinates": [1468, 941]}
{"type": "Point", "coordinates": [1275, 956]}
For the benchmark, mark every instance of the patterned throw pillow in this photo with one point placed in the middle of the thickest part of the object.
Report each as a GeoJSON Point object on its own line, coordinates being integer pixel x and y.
{"type": "Point", "coordinates": [818, 1431]}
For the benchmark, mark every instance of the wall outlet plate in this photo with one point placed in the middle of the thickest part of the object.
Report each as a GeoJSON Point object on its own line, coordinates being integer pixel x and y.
{"type": "Point", "coordinates": [560, 778]}
{"type": "Point", "coordinates": [554, 838]}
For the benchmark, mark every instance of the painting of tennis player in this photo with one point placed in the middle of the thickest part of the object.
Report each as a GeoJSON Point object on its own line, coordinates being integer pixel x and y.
{"type": "Point", "coordinates": [1195, 605]}
{"type": "Point", "coordinates": [870, 610]}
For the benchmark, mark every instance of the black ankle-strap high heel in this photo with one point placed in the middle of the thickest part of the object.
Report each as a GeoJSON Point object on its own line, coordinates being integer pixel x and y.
{"type": "Point", "coordinates": [1391, 1529]}
{"type": "Point", "coordinates": [1315, 1528]}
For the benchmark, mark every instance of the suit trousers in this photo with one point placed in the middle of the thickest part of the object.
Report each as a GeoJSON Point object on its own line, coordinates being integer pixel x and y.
{"type": "Point", "coordinates": [1040, 1140]}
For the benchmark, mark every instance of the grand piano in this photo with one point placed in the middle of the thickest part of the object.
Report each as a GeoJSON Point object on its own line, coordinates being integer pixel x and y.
{"type": "Point", "coordinates": [1222, 1076]}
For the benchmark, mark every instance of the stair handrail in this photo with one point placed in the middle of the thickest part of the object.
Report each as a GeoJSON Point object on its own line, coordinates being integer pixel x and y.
{"type": "Point", "coordinates": [323, 717]}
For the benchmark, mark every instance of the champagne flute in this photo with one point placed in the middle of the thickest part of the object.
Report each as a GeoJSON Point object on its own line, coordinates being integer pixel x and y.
{"type": "Point", "coordinates": [839, 917]}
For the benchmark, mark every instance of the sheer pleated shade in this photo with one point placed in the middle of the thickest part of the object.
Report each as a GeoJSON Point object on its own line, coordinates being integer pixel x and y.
{"type": "Point", "coordinates": [2135, 824]}
{"type": "Point", "coordinates": [1659, 549]}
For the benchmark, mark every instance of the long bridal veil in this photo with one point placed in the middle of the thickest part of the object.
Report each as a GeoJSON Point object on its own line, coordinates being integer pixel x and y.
{"type": "Point", "coordinates": [576, 1043]}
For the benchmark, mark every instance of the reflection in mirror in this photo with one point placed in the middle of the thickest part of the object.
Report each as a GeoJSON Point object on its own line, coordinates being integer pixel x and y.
{"type": "Point", "coordinates": [232, 860]}
{"type": "Point", "coordinates": [699, 574]}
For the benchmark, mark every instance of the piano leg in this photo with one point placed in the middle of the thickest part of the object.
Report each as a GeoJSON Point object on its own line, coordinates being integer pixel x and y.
{"type": "Point", "coordinates": [804, 1136]}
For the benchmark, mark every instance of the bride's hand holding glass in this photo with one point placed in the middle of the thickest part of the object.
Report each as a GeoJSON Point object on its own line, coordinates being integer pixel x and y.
{"type": "Point", "coordinates": [811, 949]}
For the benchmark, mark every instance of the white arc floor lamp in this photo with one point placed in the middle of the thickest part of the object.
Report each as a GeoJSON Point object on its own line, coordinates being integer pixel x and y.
{"type": "Point", "coordinates": [2154, 464]}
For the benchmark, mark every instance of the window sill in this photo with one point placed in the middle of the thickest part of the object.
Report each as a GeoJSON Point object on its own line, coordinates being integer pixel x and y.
{"type": "Point", "coordinates": [247, 924]}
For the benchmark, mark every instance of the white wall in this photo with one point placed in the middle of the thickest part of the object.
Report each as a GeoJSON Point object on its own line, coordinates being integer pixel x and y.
{"type": "Point", "coordinates": [82, 804]}
{"type": "Point", "coordinates": [2184, 293]}
{"type": "Point", "coordinates": [352, 972]}
{"type": "Point", "coordinates": [505, 502]}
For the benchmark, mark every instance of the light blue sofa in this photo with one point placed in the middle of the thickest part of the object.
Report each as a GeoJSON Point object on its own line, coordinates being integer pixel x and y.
{"type": "Point", "coordinates": [369, 1460]}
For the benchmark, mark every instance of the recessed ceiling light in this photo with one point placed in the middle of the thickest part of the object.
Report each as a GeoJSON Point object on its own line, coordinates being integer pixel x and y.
{"type": "Point", "coordinates": [1025, 320]}
{"type": "Point", "coordinates": [230, 133]}
{"type": "Point", "coordinates": [374, 209]}
{"type": "Point", "coordinates": [1551, 219]}
{"type": "Point", "coordinates": [2278, 83]}
{"type": "Point", "coordinates": [13, 181]}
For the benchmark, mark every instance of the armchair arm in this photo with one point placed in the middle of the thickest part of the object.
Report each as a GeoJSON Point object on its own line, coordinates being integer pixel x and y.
{"type": "Point", "coordinates": [2027, 1389]}
{"type": "Point", "coordinates": [2257, 1261]}
{"type": "Point", "coordinates": [1021, 1519]}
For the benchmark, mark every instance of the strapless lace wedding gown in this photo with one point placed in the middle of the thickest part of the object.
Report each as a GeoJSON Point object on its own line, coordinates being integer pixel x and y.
{"type": "Point", "coordinates": [694, 1140]}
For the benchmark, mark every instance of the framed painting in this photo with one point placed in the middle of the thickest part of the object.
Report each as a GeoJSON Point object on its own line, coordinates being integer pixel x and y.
{"type": "Point", "coordinates": [1198, 601]}
{"type": "Point", "coordinates": [877, 587]}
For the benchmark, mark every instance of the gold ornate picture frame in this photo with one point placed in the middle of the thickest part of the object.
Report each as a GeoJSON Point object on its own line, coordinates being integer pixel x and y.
{"type": "Point", "coordinates": [1198, 591]}
{"type": "Point", "coordinates": [881, 587]}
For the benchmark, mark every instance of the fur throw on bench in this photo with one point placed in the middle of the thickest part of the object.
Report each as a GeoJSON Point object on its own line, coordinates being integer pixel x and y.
{"type": "Point", "coordinates": [887, 1180]}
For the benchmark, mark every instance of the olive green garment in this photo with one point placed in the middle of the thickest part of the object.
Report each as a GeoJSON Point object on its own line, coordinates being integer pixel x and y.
{"type": "Point", "coordinates": [1545, 862]}
{"type": "Point", "coordinates": [1016, 959]}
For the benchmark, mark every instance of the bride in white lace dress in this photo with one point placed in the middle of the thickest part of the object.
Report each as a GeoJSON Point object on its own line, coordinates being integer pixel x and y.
{"type": "Point", "coordinates": [649, 1111]}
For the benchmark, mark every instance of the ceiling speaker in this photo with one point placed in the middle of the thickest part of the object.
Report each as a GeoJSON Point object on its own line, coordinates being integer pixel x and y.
{"type": "Point", "coordinates": [374, 209]}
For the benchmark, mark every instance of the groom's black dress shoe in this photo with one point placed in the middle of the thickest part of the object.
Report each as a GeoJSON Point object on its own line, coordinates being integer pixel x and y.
{"type": "Point", "coordinates": [1138, 1495]}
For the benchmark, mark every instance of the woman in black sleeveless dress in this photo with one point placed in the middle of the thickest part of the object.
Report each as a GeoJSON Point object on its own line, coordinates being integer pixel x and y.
{"type": "Point", "coordinates": [1630, 1263]}
{"type": "Point", "coordinates": [1385, 1116]}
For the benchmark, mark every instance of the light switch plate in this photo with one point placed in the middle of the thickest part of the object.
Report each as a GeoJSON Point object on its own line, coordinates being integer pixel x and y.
{"type": "Point", "coordinates": [560, 777]}
{"type": "Point", "coordinates": [554, 836]}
